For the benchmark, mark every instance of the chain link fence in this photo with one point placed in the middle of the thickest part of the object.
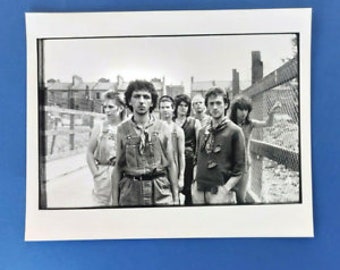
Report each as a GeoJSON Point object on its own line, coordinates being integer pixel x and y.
{"type": "Point", "coordinates": [275, 150]}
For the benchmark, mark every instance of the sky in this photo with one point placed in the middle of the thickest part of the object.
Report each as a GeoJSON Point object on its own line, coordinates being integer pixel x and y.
{"type": "Point", "coordinates": [175, 58]}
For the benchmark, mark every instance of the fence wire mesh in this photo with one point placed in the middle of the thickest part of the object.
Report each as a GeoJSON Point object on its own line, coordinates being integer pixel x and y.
{"type": "Point", "coordinates": [275, 166]}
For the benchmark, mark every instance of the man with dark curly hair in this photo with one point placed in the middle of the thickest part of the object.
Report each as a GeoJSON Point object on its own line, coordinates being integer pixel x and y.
{"type": "Point", "coordinates": [145, 172]}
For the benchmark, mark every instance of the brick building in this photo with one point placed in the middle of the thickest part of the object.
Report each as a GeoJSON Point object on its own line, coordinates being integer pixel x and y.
{"type": "Point", "coordinates": [174, 90]}
{"type": "Point", "coordinates": [86, 96]}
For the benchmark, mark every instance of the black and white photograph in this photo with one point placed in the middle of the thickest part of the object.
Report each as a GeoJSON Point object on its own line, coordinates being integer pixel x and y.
{"type": "Point", "coordinates": [151, 117]}
{"type": "Point", "coordinates": [86, 81]}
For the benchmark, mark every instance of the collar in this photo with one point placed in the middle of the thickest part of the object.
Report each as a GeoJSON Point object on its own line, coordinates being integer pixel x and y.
{"type": "Point", "coordinates": [209, 136]}
{"type": "Point", "coordinates": [222, 125]}
{"type": "Point", "coordinates": [201, 116]}
{"type": "Point", "coordinates": [148, 124]}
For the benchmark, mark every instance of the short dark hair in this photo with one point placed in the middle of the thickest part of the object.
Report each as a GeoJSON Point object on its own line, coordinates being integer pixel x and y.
{"type": "Point", "coordinates": [216, 91]}
{"type": "Point", "coordinates": [166, 98]}
{"type": "Point", "coordinates": [242, 103]}
{"type": "Point", "coordinates": [182, 98]}
{"type": "Point", "coordinates": [138, 85]}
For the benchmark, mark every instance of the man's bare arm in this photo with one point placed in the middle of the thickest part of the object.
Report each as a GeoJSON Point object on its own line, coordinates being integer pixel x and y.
{"type": "Point", "coordinates": [238, 143]}
{"type": "Point", "coordinates": [181, 154]}
{"type": "Point", "coordinates": [116, 173]}
{"type": "Point", "coordinates": [171, 167]}
{"type": "Point", "coordinates": [270, 119]}
{"type": "Point", "coordinates": [91, 148]}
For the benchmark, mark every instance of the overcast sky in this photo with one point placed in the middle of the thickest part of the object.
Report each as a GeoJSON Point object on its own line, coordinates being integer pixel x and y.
{"type": "Point", "coordinates": [175, 58]}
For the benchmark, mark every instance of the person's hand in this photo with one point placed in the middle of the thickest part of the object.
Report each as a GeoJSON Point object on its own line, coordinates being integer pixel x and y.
{"type": "Point", "coordinates": [230, 195]}
{"type": "Point", "coordinates": [276, 107]}
{"type": "Point", "coordinates": [226, 188]}
{"type": "Point", "coordinates": [96, 172]}
{"type": "Point", "coordinates": [175, 200]}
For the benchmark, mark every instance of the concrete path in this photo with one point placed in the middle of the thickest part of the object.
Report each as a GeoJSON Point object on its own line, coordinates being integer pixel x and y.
{"type": "Point", "coordinates": [69, 183]}
{"type": "Point", "coordinates": [64, 166]}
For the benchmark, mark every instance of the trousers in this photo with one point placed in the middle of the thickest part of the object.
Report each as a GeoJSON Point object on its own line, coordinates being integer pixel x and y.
{"type": "Point", "coordinates": [134, 192]}
{"type": "Point", "coordinates": [102, 188]}
{"type": "Point", "coordinates": [222, 196]}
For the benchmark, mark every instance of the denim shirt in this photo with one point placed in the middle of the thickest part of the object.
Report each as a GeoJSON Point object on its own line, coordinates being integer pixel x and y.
{"type": "Point", "coordinates": [152, 158]}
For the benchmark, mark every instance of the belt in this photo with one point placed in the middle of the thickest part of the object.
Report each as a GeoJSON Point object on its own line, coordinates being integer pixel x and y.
{"type": "Point", "coordinates": [111, 162]}
{"type": "Point", "coordinates": [146, 177]}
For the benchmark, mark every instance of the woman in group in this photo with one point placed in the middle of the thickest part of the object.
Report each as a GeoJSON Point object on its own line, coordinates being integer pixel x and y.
{"type": "Point", "coordinates": [240, 115]}
{"type": "Point", "coordinates": [101, 153]}
{"type": "Point", "coordinates": [191, 127]}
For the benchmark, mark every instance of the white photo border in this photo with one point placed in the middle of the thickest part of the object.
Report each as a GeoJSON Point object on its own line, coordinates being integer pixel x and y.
{"type": "Point", "coordinates": [281, 220]}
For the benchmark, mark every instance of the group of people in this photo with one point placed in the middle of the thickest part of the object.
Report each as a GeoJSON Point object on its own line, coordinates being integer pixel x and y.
{"type": "Point", "coordinates": [143, 160]}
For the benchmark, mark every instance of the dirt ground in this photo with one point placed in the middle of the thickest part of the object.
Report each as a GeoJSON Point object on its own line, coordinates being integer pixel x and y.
{"type": "Point", "coordinates": [280, 184]}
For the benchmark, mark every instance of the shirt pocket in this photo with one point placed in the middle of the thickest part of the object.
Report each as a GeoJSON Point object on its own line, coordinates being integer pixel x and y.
{"type": "Point", "coordinates": [131, 153]}
{"type": "Point", "coordinates": [155, 153]}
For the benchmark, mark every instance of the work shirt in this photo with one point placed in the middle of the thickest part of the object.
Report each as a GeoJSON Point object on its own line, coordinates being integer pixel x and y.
{"type": "Point", "coordinates": [143, 152]}
{"type": "Point", "coordinates": [143, 148]}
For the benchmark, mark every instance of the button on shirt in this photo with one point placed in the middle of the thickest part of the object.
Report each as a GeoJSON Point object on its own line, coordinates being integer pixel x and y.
{"type": "Point", "coordinates": [143, 147]}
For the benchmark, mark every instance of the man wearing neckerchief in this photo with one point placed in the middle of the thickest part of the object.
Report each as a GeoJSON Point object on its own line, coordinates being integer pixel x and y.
{"type": "Point", "coordinates": [145, 172]}
{"type": "Point", "coordinates": [220, 154]}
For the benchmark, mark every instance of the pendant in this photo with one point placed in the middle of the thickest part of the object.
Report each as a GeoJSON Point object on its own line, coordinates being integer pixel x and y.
{"type": "Point", "coordinates": [217, 149]}
{"type": "Point", "coordinates": [211, 164]}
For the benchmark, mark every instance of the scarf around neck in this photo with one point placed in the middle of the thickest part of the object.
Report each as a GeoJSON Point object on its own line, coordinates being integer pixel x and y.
{"type": "Point", "coordinates": [210, 133]}
{"type": "Point", "coordinates": [143, 133]}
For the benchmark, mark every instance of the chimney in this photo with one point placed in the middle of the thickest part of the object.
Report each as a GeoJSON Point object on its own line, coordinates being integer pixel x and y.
{"type": "Point", "coordinates": [256, 67]}
{"type": "Point", "coordinates": [119, 80]}
{"type": "Point", "coordinates": [235, 83]}
{"type": "Point", "coordinates": [76, 80]}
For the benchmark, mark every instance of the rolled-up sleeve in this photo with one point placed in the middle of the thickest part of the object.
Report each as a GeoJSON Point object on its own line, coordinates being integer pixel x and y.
{"type": "Point", "coordinates": [238, 143]}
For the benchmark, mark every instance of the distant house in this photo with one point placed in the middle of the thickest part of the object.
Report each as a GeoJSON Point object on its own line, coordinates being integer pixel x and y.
{"type": "Point", "coordinates": [174, 90]}
{"type": "Point", "coordinates": [57, 93]}
{"type": "Point", "coordinates": [202, 87]}
{"type": "Point", "coordinates": [157, 83]}
{"type": "Point", "coordinates": [86, 96]}
{"type": "Point", "coordinates": [77, 94]}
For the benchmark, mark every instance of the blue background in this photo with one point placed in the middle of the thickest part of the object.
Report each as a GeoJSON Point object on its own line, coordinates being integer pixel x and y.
{"type": "Point", "coordinates": [322, 252]}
